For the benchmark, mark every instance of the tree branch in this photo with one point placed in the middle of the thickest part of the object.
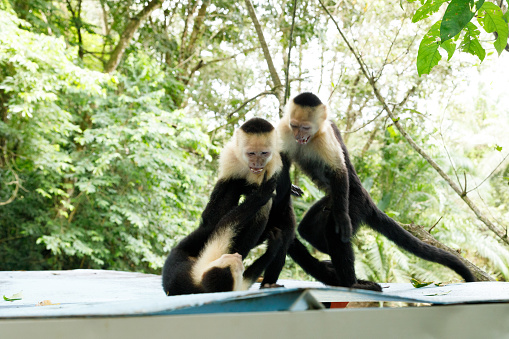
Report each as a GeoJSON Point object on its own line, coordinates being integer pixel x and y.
{"type": "Point", "coordinates": [16, 189]}
{"type": "Point", "coordinates": [234, 120]}
{"type": "Point", "coordinates": [273, 73]}
{"type": "Point", "coordinates": [288, 59]}
{"type": "Point", "coordinates": [126, 37]}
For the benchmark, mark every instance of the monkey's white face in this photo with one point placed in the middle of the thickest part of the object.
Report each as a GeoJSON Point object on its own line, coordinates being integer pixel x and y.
{"type": "Point", "coordinates": [305, 121]}
{"type": "Point", "coordinates": [302, 131]}
{"type": "Point", "coordinates": [257, 152]}
{"type": "Point", "coordinates": [257, 160]}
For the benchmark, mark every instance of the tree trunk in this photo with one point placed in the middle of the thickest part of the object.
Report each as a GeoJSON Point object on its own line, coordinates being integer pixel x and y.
{"type": "Point", "coordinates": [126, 37]}
{"type": "Point", "coordinates": [278, 88]}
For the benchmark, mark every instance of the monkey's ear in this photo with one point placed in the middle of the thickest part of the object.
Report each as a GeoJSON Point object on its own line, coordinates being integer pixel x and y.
{"type": "Point", "coordinates": [323, 114]}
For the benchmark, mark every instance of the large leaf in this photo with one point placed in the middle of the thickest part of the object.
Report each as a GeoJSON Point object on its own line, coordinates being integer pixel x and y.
{"type": "Point", "coordinates": [471, 44]}
{"type": "Point", "coordinates": [428, 55]}
{"type": "Point", "coordinates": [457, 15]}
{"type": "Point", "coordinates": [429, 7]}
{"type": "Point", "coordinates": [490, 17]}
{"type": "Point", "coordinates": [450, 47]}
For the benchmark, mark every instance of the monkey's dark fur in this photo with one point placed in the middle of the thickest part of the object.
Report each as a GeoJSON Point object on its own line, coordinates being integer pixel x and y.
{"type": "Point", "coordinates": [252, 222]}
{"type": "Point", "coordinates": [177, 277]}
{"type": "Point", "coordinates": [319, 229]}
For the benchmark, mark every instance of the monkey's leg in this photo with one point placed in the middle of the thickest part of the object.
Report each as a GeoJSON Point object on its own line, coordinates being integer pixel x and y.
{"type": "Point", "coordinates": [274, 269]}
{"type": "Point", "coordinates": [343, 260]}
{"type": "Point", "coordinates": [275, 242]}
{"type": "Point", "coordinates": [313, 225]}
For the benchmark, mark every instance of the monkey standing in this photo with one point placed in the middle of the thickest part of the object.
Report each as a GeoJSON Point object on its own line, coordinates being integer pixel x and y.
{"type": "Point", "coordinates": [316, 146]}
{"type": "Point", "coordinates": [210, 258]}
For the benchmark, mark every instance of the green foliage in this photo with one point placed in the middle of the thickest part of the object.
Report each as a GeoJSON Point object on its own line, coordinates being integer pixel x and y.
{"type": "Point", "coordinates": [457, 15]}
{"type": "Point", "coordinates": [111, 178]}
{"type": "Point", "coordinates": [470, 43]}
{"type": "Point", "coordinates": [490, 18]}
{"type": "Point", "coordinates": [457, 19]}
{"type": "Point", "coordinates": [429, 55]}
{"type": "Point", "coordinates": [428, 8]}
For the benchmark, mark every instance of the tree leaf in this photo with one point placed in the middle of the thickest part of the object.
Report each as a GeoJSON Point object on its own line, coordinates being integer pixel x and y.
{"type": "Point", "coordinates": [457, 15]}
{"type": "Point", "coordinates": [450, 47]}
{"type": "Point", "coordinates": [428, 55]}
{"type": "Point", "coordinates": [418, 284]}
{"type": "Point", "coordinates": [471, 44]}
{"type": "Point", "coordinates": [429, 7]}
{"type": "Point", "coordinates": [14, 297]}
{"type": "Point", "coordinates": [491, 19]}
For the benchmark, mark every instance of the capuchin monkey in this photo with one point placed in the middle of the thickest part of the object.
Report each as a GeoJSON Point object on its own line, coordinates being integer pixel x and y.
{"type": "Point", "coordinates": [314, 143]}
{"type": "Point", "coordinates": [210, 258]}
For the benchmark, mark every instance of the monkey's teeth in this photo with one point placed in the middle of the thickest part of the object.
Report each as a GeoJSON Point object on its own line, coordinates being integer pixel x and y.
{"type": "Point", "coordinates": [303, 141]}
{"type": "Point", "coordinates": [256, 170]}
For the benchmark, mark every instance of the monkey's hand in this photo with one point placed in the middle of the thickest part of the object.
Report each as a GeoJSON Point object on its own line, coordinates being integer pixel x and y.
{"type": "Point", "coordinates": [296, 191]}
{"type": "Point", "coordinates": [266, 189]}
{"type": "Point", "coordinates": [275, 239]}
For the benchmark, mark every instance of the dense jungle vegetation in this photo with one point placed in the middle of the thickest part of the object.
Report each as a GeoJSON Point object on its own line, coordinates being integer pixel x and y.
{"type": "Point", "coordinates": [113, 114]}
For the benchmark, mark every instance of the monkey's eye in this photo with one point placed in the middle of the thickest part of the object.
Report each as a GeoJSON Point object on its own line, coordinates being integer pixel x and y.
{"type": "Point", "coordinates": [251, 153]}
{"type": "Point", "coordinates": [293, 126]}
{"type": "Point", "coordinates": [265, 153]}
{"type": "Point", "coordinates": [306, 128]}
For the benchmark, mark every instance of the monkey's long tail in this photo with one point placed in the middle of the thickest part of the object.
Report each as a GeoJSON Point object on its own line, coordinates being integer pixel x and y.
{"type": "Point", "coordinates": [380, 222]}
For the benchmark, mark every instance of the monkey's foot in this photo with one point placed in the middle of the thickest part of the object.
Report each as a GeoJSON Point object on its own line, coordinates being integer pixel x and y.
{"type": "Point", "coordinates": [367, 285]}
{"type": "Point", "coordinates": [271, 286]}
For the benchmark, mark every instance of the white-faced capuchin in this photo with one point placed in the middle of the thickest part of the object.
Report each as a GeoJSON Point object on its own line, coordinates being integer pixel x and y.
{"type": "Point", "coordinates": [314, 143]}
{"type": "Point", "coordinates": [210, 258]}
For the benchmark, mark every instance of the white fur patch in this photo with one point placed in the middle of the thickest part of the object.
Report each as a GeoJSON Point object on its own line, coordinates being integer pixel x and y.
{"type": "Point", "coordinates": [232, 164]}
{"type": "Point", "coordinates": [218, 245]}
{"type": "Point", "coordinates": [322, 147]}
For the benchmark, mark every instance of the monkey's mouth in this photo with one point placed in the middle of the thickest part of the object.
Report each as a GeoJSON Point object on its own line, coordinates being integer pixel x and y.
{"type": "Point", "coordinates": [303, 141]}
{"type": "Point", "coordinates": [256, 170]}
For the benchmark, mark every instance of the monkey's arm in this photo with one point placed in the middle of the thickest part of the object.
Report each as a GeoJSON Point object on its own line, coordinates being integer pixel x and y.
{"type": "Point", "coordinates": [224, 197]}
{"type": "Point", "coordinates": [275, 242]}
{"type": "Point", "coordinates": [242, 214]}
{"type": "Point", "coordinates": [339, 203]}
{"type": "Point", "coordinates": [283, 218]}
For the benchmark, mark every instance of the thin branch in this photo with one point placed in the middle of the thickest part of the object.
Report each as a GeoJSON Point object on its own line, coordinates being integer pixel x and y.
{"type": "Point", "coordinates": [230, 57]}
{"type": "Point", "coordinates": [432, 227]}
{"type": "Point", "coordinates": [452, 163]}
{"type": "Point", "coordinates": [14, 194]}
{"type": "Point", "coordinates": [367, 123]}
{"type": "Point", "coordinates": [272, 70]}
{"type": "Point", "coordinates": [380, 71]}
{"type": "Point", "coordinates": [288, 59]}
{"type": "Point", "coordinates": [127, 35]}
{"type": "Point", "coordinates": [489, 175]}
{"type": "Point", "coordinates": [234, 120]}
